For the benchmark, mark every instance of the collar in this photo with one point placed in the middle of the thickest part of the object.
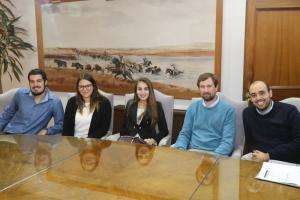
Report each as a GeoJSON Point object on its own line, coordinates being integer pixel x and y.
{"type": "Point", "coordinates": [213, 104]}
{"type": "Point", "coordinates": [48, 95]}
{"type": "Point", "coordinates": [266, 111]}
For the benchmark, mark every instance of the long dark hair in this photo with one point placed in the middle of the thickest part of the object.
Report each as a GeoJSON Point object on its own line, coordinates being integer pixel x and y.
{"type": "Point", "coordinates": [151, 101]}
{"type": "Point", "coordinates": [95, 97]}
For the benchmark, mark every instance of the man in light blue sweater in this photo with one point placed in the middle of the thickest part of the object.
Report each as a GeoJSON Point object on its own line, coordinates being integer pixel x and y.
{"type": "Point", "coordinates": [209, 123]}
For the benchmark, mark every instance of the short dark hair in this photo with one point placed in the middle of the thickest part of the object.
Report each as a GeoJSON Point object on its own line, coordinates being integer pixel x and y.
{"type": "Point", "coordinates": [38, 71]}
{"type": "Point", "coordinates": [205, 76]}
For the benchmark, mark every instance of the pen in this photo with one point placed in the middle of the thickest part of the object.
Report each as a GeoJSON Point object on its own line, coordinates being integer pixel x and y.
{"type": "Point", "coordinates": [266, 173]}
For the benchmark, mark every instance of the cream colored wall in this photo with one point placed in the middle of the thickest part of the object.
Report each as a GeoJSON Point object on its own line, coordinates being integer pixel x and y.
{"type": "Point", "coordinates": [24, 8]}
{"type": "Point", "coordinates": [233, 36]}
{"type": "Point", "coordinates": [232, 48]}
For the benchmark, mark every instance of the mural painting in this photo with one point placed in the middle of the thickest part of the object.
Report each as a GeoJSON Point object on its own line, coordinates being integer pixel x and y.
{"type": "Point", "coordinates": [169, 42]}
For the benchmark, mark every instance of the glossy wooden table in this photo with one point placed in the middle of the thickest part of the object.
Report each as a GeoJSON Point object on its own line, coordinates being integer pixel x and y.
{"type": "Point", "coordinates": [234, 179]}
{"type": "Point", "coordinates": [54, 167]}
{"type": "Point", "coordinates": [94, 169]}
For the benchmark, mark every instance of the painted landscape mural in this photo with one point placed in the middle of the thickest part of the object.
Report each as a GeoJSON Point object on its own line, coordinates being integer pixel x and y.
{"type": "Point", "coordinates": [170, 42]}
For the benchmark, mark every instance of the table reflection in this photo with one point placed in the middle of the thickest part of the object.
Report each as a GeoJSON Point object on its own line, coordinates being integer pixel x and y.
{"type": "Point", "coordinates": [144, 154]}
{"type": "Point", "coordinates": [109, 170]}
{"type": "Point", "coordinates": [204, 175]}
{"type": "Point", "coordinates": [91, 153]}
{"type": "Point", "coordinates": [11, 161]}
{"type": "Point", "coordinates": [22, 156]}
{"type": "Point", "coordinates": [235, 179]}
{"type": "Point", "coordinates": [42, 158]}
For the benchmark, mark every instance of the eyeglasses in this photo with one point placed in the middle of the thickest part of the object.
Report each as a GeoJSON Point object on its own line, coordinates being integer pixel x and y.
{"type": "Point", "coordinates": [87, 87]}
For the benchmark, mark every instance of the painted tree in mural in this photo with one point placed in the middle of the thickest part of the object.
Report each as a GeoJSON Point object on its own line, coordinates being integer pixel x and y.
{"type": "Point", "coordinates": [11, 43]}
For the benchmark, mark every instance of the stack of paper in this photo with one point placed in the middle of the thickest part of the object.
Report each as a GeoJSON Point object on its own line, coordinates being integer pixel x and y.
{"type": "Point", "coordinates": [280, 173]}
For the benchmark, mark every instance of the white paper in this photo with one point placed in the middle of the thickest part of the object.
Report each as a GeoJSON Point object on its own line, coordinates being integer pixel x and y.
{"type": "Point", "coordinates": [280, 173]}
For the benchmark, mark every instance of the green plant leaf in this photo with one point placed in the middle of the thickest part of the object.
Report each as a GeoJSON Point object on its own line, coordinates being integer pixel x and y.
{"type": "Point", "coordinates": [17, 76]}
{"type": "Point", "coordinates": [12, 44]}
{"type": "Point", "coordinates": [9, 75]}
{"type": "Point", "coordinates": [1, 64]}
{"type": "Point", "coordinates": [9, 1]}
{"type": "Point", "coordinates": [7, 10]}
{"type": "Point", "coordinates": [16, 52]}
{"type": "Point", "coordinates": [15, 65]}
{"type": "Point", "coordinates": [20, 31]}
{"type": "Point", "coordinates": [14, 20]}
{"type": "Point", "coordinates": [19, 63]}
{"type": "Point", "coordinates": [5, 66]}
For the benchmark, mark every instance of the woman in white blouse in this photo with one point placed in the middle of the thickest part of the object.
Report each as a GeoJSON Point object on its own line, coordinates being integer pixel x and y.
{"type": "Point", "coordinates": [88, 113]}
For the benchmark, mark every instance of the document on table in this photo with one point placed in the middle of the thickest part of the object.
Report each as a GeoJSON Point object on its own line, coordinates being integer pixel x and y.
{"type": "Point", "coordinates": [280, 173]}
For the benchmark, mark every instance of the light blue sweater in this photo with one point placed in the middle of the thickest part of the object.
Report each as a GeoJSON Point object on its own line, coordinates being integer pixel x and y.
{"type": "Point", "coordinates": [209, 129]}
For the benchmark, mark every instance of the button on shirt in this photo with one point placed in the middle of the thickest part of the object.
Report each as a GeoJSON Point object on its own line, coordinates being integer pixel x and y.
{"type": "Point", "coordinates": [24, 115]}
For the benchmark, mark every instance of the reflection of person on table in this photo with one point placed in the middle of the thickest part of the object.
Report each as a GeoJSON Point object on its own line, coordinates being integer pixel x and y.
{"type": "Point", "coordinates": [204, 173]}
{"type": "Point", "coordinates": [43, 151]}
{"type": "Point", "coordinates": [37, 149]}
{"type": "Point", "coordinates": [42, 158]}
{"type": "Point", "coordinates": [144, 154]}
{"type": "Point", "coordinates": [91, 153]}
{"type": "Point", "coordinates": [144, 116]}
{"type": "Point", "coordinates": [12, 160]}
{"type": "Point", "coordinates": [89, 158]}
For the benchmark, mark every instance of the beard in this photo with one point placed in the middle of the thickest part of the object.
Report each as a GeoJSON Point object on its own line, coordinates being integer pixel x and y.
{"type": "Point", "coordinates": [264, 107]}
{"type": "Point", "coordinates": [208, 96]}
{"type": "Point", "coordinates": [37, 93]}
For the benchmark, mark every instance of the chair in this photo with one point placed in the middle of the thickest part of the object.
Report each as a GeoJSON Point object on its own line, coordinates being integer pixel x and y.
{"type": "Point", "coordinates": [6, 97]}
{"type": "Point", "coordinates": [168, 107]}
{"type": "Point", "coordinates": [110, 97]}
{"type": "Point", "coordinates": [64, 97]}
{"type": "Point", "coordinates": [239, 106]}
{"type": "Point", "coordinates": [293, 101]}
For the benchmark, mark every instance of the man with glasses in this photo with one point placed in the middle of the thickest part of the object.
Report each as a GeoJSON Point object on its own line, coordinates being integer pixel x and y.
{"type": "Point", "coordinates": [272, 129]}
{"type": "Point", "coordinates": [31, 109]}
{"type": "Point", "coordinates": [209, 123]}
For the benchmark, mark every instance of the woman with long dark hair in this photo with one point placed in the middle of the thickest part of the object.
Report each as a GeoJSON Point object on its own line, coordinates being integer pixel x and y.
{"type": "Point", "coordinates": [144, 116]}
{"type": "Point", "coordinates": [88, 113]}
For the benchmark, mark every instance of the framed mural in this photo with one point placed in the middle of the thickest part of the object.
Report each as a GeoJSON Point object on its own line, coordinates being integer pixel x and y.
{"type": "Point", "coordinates": [170, 42]}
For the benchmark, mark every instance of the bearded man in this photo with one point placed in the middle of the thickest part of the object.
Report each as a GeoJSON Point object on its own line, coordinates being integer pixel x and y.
{"type": "Point", "coordinates": [209, 123]}
{"type": "Point", "coordinates": [272, 129]}
{"type": "Point", "coordinates": [31, 109]}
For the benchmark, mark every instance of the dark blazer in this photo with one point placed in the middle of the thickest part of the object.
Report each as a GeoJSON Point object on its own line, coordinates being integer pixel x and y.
{"type": "Point", "coordinates": [144, 129]}
{"type": "Point", "coordinates": [100, 120]}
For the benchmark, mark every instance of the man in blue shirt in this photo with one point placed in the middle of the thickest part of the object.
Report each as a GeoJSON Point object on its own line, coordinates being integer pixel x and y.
{"type": "Point", "coordinates": [209, 123]}
{"type": "Point", "coordinates": [31, 109]}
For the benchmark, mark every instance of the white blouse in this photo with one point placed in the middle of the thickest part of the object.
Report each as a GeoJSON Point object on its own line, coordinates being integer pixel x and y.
{"type": "Point", "coordinates": [83, 121]}
{"type": "Point", "coordinates": [139, 113]}
{"type": "Point", "coordinates": [139, 117]}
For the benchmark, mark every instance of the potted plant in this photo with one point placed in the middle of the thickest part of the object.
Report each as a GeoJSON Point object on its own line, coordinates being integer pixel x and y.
{"type": "Point", "coordinates": [11, 43]}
